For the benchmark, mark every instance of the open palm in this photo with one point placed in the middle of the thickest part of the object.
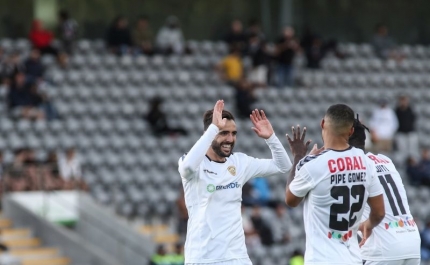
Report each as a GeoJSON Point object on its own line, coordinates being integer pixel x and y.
{"type": "Point", "coordinates": [262, 126]}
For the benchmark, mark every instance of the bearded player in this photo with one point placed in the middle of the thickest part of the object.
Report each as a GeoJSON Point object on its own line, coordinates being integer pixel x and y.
{"type": "Point", "coordinates": [213, 176]}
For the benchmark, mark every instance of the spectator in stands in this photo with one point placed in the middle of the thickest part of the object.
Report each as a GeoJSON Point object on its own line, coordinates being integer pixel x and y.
{"type": "Point", "coordinates": [119, 37]}
{"type": "Point", "coordinates": [424, 167]}
{"type": "Point", "coordinates": [254, 29]}
{"type": "Point", "coordinates": [286, 49]}
{"type": "Point", "coordinates": [157, 118]}
{"type": "Point", "coordinates": [280, 224]}
{"type": "Point", "coordinates": [21, 99]}
{"type": "Point", "coordinates": [252, 239]}
{"type": "Point", "coordinates": [262, 227]}
{"type": "Point", "coordinates": [42, 38]}
{"type": "Point", "coordinates": [16, 175]}
{"type": "Point", "coordinates": [34, 68]}
{"type": "Point", "coordinates": [71, 170]}
{"type": "Point", "coordinates": [143, 37]}
{"type": "Point", "coordinates": [297, 258]}
{"type": "Point", "coordinates": [67, 31]}
{"type": "Point", "coordinates": [256, 192]}
{"type": "Point", "coordinates": [236, 37]}
{"type": "Point", "coordinates": [53, 179]}
{"type": "Point", "coordinates": [170, 38]}
{"type": "Point", "coordinates": [260, 60]}
{"type": "Point", "coordinates": [383, 126]}
{"type": "Point", "coordinates": [406, 137]}
{"type": "Point", "coordinates": [425, 243]}
{"type": "Point", "coordinates": [231, 66]}
{"type": "Point", "coordinates": [160, 257]}
{"type": "Point", "coordinates": [183, 215]}
{"type": "Point", "coordinates": [314, 53]}
{"type": "Point", "coordinates": [244, 97]}
{"type": "Point", "coordinates": [10, 66]}
{"type": "Point", "coordinates": [413, 171]}
{"type": "Point", "coordinates": [177, 258]}
{"type": "Point", "coordinates": [384, 46]}
{"type": "Point", "coordinates": [6, 258]}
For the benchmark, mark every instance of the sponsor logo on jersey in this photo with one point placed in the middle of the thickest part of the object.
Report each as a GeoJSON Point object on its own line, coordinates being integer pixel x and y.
{"type": "Point", "coordinates": [210, 188]}
{"type": "Point", "coordinates": [400, 224]}
{"type": "Point", "coordinates": [234, 185]}
{"type": "Point", "coordinates": [209, 172]}
{"type": "Point", "coordinates": [339, 236]}
{"type": "Point", "coordinates": [232, 170]}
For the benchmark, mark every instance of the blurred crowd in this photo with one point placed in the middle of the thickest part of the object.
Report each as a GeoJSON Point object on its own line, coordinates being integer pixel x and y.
{"type": "Point", "coordinates": [162, 257]}
{"type": "Point", "coordinates": [59, 171]}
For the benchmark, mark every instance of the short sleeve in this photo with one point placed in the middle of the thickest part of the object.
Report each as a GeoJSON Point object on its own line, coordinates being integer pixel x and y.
{"type": "Point", "coordinates": [302, 183]}
{"type": "Point", "coordinates": [375, 187]}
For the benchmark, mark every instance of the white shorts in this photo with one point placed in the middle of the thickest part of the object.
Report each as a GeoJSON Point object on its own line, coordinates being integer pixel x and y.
{"type": "Point", "coordinates": [228, 262]}
{"type": "Point", "coordinates": [394, 262]}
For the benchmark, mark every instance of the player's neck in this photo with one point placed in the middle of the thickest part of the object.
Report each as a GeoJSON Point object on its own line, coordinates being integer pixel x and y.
{"type": "Point", "coordinates": [336, 143]}
{"type": "Point", "coordinates": [214, 157]}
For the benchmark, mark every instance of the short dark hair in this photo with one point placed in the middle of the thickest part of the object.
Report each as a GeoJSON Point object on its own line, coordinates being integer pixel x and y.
{"type": "Point", "coordinates": [341, 116]}
{"type": "Point", "coordinates": [207, 117]}
{"type": "Point", "coordinates": [358, 138]}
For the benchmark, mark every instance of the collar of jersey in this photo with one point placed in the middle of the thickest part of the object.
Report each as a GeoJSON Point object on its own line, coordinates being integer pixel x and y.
{"type": "Point", "coordinates": [216, 161]}
{"type": "Point", "coordinates": [349, 148]}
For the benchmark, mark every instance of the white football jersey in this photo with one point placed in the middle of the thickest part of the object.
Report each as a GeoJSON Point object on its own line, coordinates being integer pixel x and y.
{"type": "Point", "coordinates": [213, 196]}
{"type": "Point", "coordinates": [397, 236]}
{"type": "Point", "coordinates": [336, 185]}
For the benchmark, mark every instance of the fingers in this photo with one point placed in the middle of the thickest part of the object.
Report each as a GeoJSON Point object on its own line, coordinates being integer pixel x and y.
{"type": "Point", "coordinates": [308, 143]}
{"type": "Point", "coordinates": [288, 138]}
{"type": "Point", "coordinates": [257, 131]}
{"type": "Point", "coordinates": [263, 115]}
{"type": "Point", "coordinates": [363, 241]}
{"type": "Point", "coordinates": [297, 136]}
{"type": "Point", "coordinates": [253, 118]}
{"type": "Point", "coordinates": [303, 134]}
{"type": "Point", "coordinates": [257, 114]}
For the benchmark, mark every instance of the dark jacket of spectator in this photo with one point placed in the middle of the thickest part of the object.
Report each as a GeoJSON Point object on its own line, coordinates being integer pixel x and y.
{"type": "Point", "coordinates": [19, 94]}
{"type": "Point", "coordinates": [33, 66]}
{"type": "Point", "coordinates": [406, 117]}
{"type": "Point", "coordinates": [236, 36]}
{"type": "Point", "coordinates": [67, 30]}
{"type": "Point", "coordinates": [119, 34]}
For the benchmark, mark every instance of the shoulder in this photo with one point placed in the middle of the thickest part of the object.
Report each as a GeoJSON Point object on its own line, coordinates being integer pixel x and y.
{"type": "Point", "coordinates": [309, 160]}
{"type": "Point", "coordinates": [182, 157]}
{"type": "Point", "coordinates": [240, 157]}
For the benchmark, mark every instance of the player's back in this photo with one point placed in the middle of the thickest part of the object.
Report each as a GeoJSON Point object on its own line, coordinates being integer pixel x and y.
{"type": "Point", "coordinates": [340, 183]}
{"type": "Point", "coordinates": [397, 236]}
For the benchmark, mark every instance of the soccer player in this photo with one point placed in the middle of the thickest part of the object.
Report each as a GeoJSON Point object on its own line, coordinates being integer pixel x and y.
{"type": "Point", "coordinates": [213, 176]}
{"type": "Point", "coordinates": [396, 240]}
{"type": "Point", "coordinates": [334, 183]}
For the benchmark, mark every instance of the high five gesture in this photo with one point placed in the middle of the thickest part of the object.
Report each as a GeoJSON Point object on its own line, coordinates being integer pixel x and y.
{"type": "Point", "coordinates": [262, 126]}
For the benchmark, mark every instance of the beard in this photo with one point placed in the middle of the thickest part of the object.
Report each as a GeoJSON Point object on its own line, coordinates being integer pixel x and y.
{"type": "Point", "coordinates": [218, 149]}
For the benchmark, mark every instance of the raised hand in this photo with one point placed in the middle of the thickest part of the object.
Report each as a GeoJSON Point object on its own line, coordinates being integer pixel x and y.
{"type": "Point", "coordinates": [297, 144]}
{"type": "Point", "coordinates": [217, 114]}
{"type": "Point", "coordinates": [262, 126]}
{"type": "Point", "coordinates": [315, 150]}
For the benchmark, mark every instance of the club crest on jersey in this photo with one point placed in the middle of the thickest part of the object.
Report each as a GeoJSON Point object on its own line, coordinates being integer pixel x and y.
{"type": "Point", "coordinates": [232, 170]}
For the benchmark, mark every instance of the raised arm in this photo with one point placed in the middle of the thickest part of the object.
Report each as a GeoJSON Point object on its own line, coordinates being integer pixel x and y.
{"type": "Point", "coordinates": [280, 162]}
{"type": "Point", "coordinates": [189, 163]}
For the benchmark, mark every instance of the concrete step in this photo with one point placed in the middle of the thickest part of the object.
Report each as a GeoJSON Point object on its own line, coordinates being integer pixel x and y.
{"type": "Point", "coordinates": [35, 253]}
{"type": "Point", "coordinates": [10, 233]}
{"type": "Point", "coordinates": [15, 243]}
{"type": "Point", "coordinates": [5, 223]}
{"type": "Point", "coordinates": [47, 261]}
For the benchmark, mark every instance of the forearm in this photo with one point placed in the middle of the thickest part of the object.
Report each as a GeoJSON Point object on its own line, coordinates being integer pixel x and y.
{"type": "Point", "coordinates": [279, 155]}
{"type": "Point", "coordinates": [293, 169]}
{"type": "Point", "coordinates": [374, 219]}
{"type": "Point", "coordinates": [197, 153]}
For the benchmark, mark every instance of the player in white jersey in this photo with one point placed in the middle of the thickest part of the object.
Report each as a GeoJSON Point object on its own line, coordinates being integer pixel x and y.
{"type": "Point", "coordinates": [396, 240]}
{"type": "Point", "coordinates": [212, 177]}
{"type": "Point", "coordinates": [334, 182]}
